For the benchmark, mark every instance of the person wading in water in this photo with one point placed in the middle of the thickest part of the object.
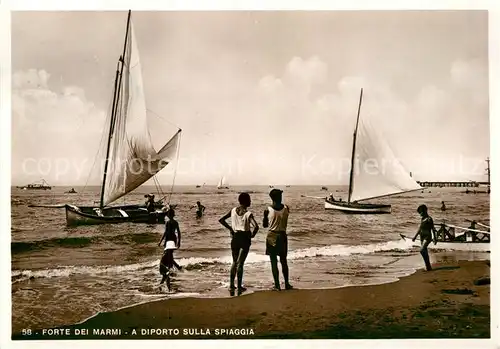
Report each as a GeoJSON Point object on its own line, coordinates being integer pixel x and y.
{"type": "Point", "coordinates": [172, 241]}
{"type": "Point", "coordinates": [241, 221]}
{"type": "Point", "coordinates": [427, 233]}
{"type": "Point", "coordinates": [276, 218]}
{"type": "Point", "coordinates": [200, 209]}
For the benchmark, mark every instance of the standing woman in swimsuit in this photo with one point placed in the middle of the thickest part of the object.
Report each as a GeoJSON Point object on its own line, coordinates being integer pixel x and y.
{"type": "Point", "coordinates": [241, 221]}
{"type": "Point", "coordinates": [276, 218]}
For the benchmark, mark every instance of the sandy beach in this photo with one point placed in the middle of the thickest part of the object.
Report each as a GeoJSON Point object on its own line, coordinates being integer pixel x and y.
{"type": "Point", "coordinates": [444, 303]}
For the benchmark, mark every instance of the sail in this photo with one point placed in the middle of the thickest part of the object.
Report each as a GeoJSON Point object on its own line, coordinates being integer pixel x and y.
{"type": "Point", "coordinates": [377, 171]}
{"type": "Point", "coordinates": [221, 182]}
{"type": "Point", "coordinates": [132, 157]}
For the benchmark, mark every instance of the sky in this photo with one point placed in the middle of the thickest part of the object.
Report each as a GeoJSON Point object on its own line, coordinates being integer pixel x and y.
{"type": "Point", "coordinates": [261, 97]}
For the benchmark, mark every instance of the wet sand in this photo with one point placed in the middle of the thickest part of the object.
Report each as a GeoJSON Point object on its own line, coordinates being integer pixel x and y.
{"type": "Point", "coordinates": [443, 303]}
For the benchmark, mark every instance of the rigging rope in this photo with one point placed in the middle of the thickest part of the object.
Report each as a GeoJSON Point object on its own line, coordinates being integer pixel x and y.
{"type": "Point", "coordinates": [158, 188]}
{"type": "Point", "coordinates": [176, 165]}
{"type": "Point", "coordinates": [160, 117]}
{"type": "Point", "coordinates": [177, 159]}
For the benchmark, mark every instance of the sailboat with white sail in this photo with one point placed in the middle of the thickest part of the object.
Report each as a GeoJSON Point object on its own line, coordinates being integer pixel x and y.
{"type": "Point", "coordinates": [131, 158]}
{"type": "Point", "coordinates": [377, 173]}
{"type": "Point", "coordinates": [222, 183]}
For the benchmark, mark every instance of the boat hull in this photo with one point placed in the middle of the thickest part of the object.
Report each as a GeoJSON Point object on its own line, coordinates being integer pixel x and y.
{"type": "Point", "coordinates": [458, 246]}
{"type": "Point", "coordinates": [357, 208]}
{"type": "Point", "coordinates": [35, 188]}
{"type": "Point", "coordinates": [87, 215]}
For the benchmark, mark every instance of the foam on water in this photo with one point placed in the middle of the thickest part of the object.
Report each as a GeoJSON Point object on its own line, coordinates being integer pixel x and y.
{"type": "Point", "coordinates": [200, 262]}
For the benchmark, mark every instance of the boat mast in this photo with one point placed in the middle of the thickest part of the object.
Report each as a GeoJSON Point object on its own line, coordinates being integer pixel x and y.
{"type": "Point", "coordinates": [351, 174]}
{"type": "Point", "coordinates": [118, 83]}
{"type": "Point", "coordinates": [488, 170]}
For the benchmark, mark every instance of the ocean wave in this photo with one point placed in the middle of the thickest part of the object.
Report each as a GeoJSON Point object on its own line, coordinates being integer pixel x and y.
{"type": "Point", "coordinates": [205, 230]}
{"type": "Point", "coordinates": [346, 250]}
{"type": "Point", "coordinates": [396, 248]}
{"type": "Point", "coordinates": [82, 241]}
{"type": "Point", "coordinates": [198, 263]}
{"type": "Point", "coordinates": [201, 263]}
{"type": "Point", "coordinates": [17, 202]}
{"type": "Point", "coordinates": [20, 275]}
{"type": "Point", "coordinates": [17, 229]}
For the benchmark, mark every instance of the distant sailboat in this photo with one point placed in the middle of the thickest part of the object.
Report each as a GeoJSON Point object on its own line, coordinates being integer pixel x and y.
{"type": "Point", "coordinates": [131, 158]}
{"type": "Point", "coordinates": [385, 176]}
{"type": "Point", "coordinates": [222, 183]}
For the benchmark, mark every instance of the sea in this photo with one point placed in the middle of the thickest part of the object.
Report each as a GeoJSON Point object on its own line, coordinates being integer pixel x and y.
{"type": "Point", "coordinates": [63, 275]}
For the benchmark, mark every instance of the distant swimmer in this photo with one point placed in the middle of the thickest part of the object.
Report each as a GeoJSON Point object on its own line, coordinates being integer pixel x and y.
{"type": "Point", "coordinates": [276, 218]}
{"type": "Point", "coordinates": [242, 221]}
{"type": "Point", "coordinates": [200, 209]}
{"type": "Point", "coordinates": [443, 206]}
{"type": "Point", "coordinates": [427, 233]}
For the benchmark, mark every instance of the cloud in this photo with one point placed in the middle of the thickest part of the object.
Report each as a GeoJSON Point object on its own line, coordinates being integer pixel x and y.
{"type": "Point", "coordinates": [32, 78]}
{"type": "Point", "coordinates": [293, 127]}
{"type": "Point", "coordinates": [306, 72]}
{"type": "Point", "coordinates": [52, 125]}
{"type": "Point", "coordinates": [436, 126]}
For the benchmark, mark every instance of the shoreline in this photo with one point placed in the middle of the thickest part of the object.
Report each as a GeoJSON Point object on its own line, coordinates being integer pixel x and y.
{"type": "Point", "coordinates": [218, 296]}
{"type": "Point", "coordinates": [220, 293]}
{"type": "Point", "coordinates": [443, 303]}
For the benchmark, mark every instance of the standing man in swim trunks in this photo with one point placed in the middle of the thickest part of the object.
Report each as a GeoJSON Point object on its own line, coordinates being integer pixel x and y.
{"type": "Point", "coordinates": [241, 221]}
{"type": "Point", "coordinates": [276, 218]}
{"type": "Point", "coordinates": [427, 233]}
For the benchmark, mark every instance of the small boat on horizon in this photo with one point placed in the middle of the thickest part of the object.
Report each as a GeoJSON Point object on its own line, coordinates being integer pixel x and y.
{"type": "Point", "coordinates": [42, 185]}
